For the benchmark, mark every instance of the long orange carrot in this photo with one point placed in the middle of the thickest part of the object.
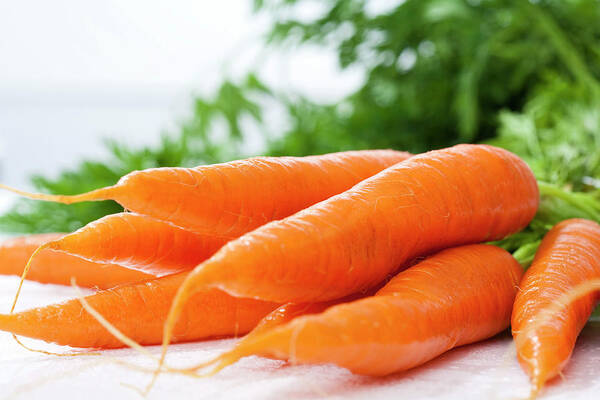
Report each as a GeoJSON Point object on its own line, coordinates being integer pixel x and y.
{"type": "Point", "coordinates": [568, 256]}
{"type": "Point", "coordinates": [464, 194]}
{"type": "Point", "coordinates": [455, 297]}
{"type": "Point", "coordinates": [58, 268]}
{"type": "Point", "coordinates": [233, 198]}
{"type": "Point", "coordinates": [138, 242]}
{"type": "Point", "coordinates": [138, 311]}
{"type": "Point", "coordinates": [352, 241]}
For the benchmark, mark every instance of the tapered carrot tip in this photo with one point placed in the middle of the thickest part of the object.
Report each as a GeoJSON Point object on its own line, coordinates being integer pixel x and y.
{"type": "Point", "coordinates": [537, 375]}
{"type": "Point", "coordinates": [556, 299]}
{"type": "Point", "coordinates": [214, 366]}
{"type": "Point", "coordinates": [221, 362]}
{"type": "Point", "coordinates": [211, 367]}
{"type": "Point", "coordinates": [95, 195]}
{"type": "Point", "coordinates": [536, 387]}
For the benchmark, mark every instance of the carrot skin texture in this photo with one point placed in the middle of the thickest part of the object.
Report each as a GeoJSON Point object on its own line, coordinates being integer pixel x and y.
{"type": "Point", "coordinates": [352, 241]}
{"type": "Point", "coordinates": [139, 242]}
{"type": "Point", "coordinates": [458, 296]}
{"type": "Point", "coordinates": [286, 313]}
{"type": "Point", "coordinates": [289, 311]}
{"type": "Point", "coordinates": [58, 268]}
{"type": "Point", "coordinates": [233, 198]}
{"type": "Point", "coordinates": [139, 311]}
{"type": "Point", "coordinates": [275, 318]}
{"type": "Point", "coordinates": [569, 255]}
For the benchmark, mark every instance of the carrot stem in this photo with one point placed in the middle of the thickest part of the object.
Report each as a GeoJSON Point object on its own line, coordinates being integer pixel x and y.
{"type": "Point", "coordinates": [583, 202]}
{"type": "Point", "coordinates": [525, 254]}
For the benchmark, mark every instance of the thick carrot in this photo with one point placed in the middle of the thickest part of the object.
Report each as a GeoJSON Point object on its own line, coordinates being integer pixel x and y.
{"type": "Point", "coordinates": [233, 198]}
{"type": "Point", "coordinates": [444, 198]}
{"type": "Point", "coordinates": [138, 242]}
{"type": "Point", "coordinates": [568, 256]}
{"type": "Point", "coordinates": [58, 268]}
{"type": "Point", "coordinates": [455, 297]}
{"type": "Point", "coordinates": [138, 311]}
{"type": "Point", "coordinates": [352, 241]}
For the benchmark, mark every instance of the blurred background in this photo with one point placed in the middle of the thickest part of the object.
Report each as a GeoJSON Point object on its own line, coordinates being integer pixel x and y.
{"type": "Point", "coordinates": [92, 90]}
{"type": "Point", "coordinates": [75, 73]}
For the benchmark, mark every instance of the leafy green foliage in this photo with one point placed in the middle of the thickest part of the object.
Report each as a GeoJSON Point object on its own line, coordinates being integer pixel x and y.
{"type": "Point", "coordinates": [557, 204]}
{"type": "Point", "coordinates": [558, 134]}
{"type": "Point", "coordinates": [437, 71]}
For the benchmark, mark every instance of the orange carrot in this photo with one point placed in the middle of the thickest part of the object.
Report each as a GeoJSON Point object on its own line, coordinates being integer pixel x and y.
{"type": "Point", "coordinates": [138, 242]}
{"type": "Point", "coordinates": [568, 256]}
{"type": "Point", "coordinates": [139, 311]}
{"type": "Point", "coordinates": [464, 194]}
{"type": "Point", "coordinates": [352, 241]}
{"type": "Point", "coordinates": [289, 311]}
{"type": "Point", "coordinates": [134, 241]}
{"type": "Point", "coordinates": [233, 198]}
{"type": "Point", "coordinates": [278, 317]}
{"type": "Point", "coordinates": [455, 297]}
{"type": "Point", "coordinates": [58, 268]}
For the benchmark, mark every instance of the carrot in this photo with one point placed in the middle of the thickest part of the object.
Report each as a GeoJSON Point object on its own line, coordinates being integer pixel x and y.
{"type": "Point", "coordinates": [138, 242]}
{"type": "Point", "coordinates": [134, 241]}
{"type": "Point", "coordinates": [53, 267]}
{"type": "Point", "coordinates": [348, 243]}
{"type": "Point", "coordinates": [455, 297]}
{"type": "Point", "coordinates": [289, 311]}
{"type": "Point", "coordinates": [138, 311]}
{"type": "Point", "coordinates": [278, 317]}
{"type": "Point", "coordinates": [352, 241]}
{"type": "Point", "coordinates": [568, 256]}
{"type": "Point", "coordinates": [233, 198]}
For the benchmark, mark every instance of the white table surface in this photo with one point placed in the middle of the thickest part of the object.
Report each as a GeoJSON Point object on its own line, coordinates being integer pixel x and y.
{"type": "Point", "coordinates": [486, 370]}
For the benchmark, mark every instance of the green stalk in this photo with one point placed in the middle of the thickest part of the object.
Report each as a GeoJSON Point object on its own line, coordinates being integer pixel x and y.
{"type": "Point", "coordinates": [525, 254]}
{"type": "Point", "coordinates": [524, 245]}
{"type": "Point", "coordinates": [581, 201]}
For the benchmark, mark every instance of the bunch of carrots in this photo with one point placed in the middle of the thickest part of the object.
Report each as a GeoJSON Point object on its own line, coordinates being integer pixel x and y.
{"type": "Point", "coordinates": [372, 260]}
